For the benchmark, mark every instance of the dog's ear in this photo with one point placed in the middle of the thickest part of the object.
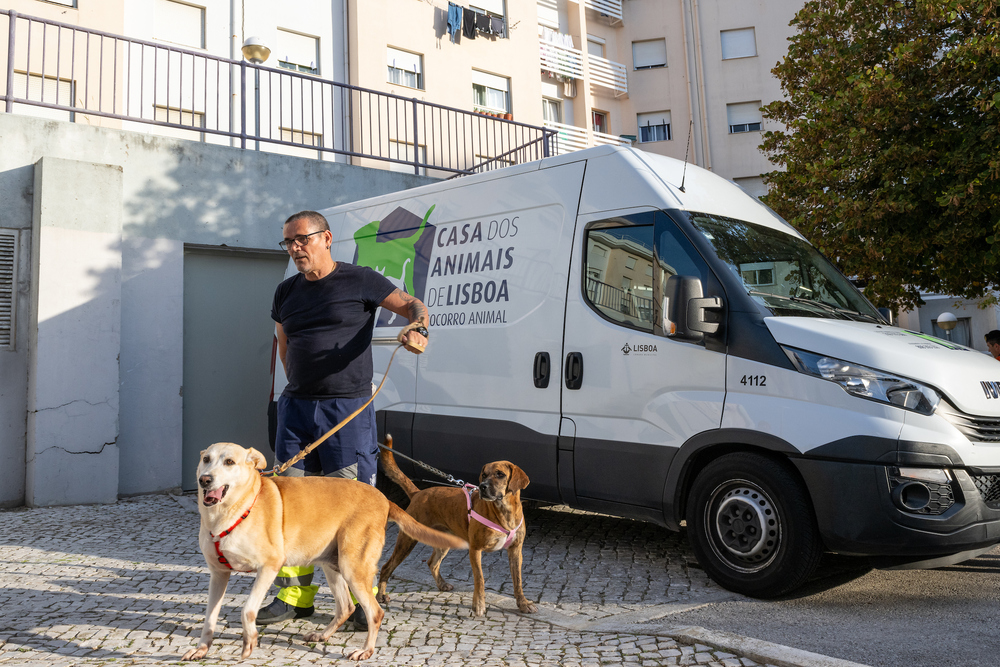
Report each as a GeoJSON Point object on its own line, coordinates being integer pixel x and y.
{"type": "Point", "coordinates": [256, 459]}
{"type": "Point", "coordinates": [482, 472]}
{"type": "Point", "coordinates": [518, 479]}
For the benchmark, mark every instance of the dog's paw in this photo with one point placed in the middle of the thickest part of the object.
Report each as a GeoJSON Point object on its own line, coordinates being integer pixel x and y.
{"type": "Point", "coordinates": [527, 606]}
{"type": "Point", "coordinates": [314, 638]}
{"type": "Point", "coordinates": [361, 654]}
{"type": "Point", "coordinates": [196, 653]}
{"type": "Point", "coordinates": [249, 644]}
{"type": "Point", "coordinates": [382, 598]}
{"type": "Point", "coordinates": [479, 609]}
{"type": "Point", "coordinates": [445, 586]}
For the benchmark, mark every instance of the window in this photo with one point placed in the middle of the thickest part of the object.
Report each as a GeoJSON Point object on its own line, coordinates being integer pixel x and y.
{"type": "Point", "coordinates": [649, 54]}
{"type": "Point", "coordinates": [551, 110]}
{"type": "Point", "coordinates": [67, 3]}
{"type": "Point", "coordinates": [755, 275]}
{"type": "Point", "coordinates": [296, 52]}
{"type": "Point", "coordinates": [179, 23]}
{"type": "Point", "coordinates": [599, 119]}
{"type": "Point", "coordinates": [654, 126]}
{"type": "Point", "coordinates": [743, 117]}
{"type": "Point", "coordinates": [490, 91]}
{"type": "Point", "coordinates": [492, 7]}
{"type": "Point", "coordinates": [738, 43]}
{"type": "Point", "coordinates": [404, 151]}
{"type": "Point", "coordinates": [185, 117]}
{"type": "Point", "coordinates": [302, 137]}
{"type": "Point", "coordinates": [8, 287]}
{"type": "Point", "coordinates": [595, 46]}
{"type": "Point", "coordinates": [47, 89]}
{"type": "Point", "coordinates": [611, 287]}
{"type": "Point", "coordinates": [405, 68]}
{"type": "Point", "coordinates": [961, 334]}
{"type": "Point", "coordinates": [752, 185]}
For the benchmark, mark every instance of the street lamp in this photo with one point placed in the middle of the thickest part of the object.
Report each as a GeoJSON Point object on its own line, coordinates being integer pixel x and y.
{"type": "Point", "coordinates": [947, 321]}
{"type": "Point", "coordinates": [256, 52]}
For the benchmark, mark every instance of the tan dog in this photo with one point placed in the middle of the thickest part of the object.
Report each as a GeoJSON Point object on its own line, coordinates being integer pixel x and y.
{"type": "Point", "coordinates": [497, 499]}
{"type": "Point", "coordinates": [257, 524]}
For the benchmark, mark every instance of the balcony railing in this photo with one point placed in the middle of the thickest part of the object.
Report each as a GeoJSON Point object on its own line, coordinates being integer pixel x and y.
{"type": "Point", "coordinates": [83, 75]}
{"type": "Point", "coordinates": [569, 138]}
{"type": "Point", "coordinates": [561, 60]}
{"type": "Point", "coordinates": [607, 73]}
{"type": "Point", "coordinates": [610, 8]}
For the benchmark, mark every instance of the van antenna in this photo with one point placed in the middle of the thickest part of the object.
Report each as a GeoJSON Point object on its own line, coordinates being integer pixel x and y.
{"type": "Point", "coordinates": [686, 151]}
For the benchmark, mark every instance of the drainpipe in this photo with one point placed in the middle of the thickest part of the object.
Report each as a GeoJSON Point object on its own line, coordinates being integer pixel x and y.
{"type": "Point", "coordinates": [345, 113]}
{"type": "Point", "coordinates": [233, 72]}
{"type": "Point", "coordinates": [692, 88]}
{"type": "Point", "coordinates": [700, 67]}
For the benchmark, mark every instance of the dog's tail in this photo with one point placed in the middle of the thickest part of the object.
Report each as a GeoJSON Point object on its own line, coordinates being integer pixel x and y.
{"type": "Point", "coordinates": [392, 470]}
{"type": "Point", "coordinates": [422, 533]}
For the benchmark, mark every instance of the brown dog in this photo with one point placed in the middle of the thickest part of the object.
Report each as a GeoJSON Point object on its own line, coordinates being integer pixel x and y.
{"type": "Point", "coordinates": [497, 499]}
{"type": "Point", "coordinates": [257, 524]}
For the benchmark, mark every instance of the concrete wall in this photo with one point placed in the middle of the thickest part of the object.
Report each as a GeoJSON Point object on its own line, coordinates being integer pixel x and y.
{"type": "Point", "coordinates": [172, 192]}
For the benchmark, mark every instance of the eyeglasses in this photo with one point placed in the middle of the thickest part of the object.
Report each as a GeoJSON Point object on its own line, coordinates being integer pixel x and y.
{"type": "Point", "coordinates": [300, 240]}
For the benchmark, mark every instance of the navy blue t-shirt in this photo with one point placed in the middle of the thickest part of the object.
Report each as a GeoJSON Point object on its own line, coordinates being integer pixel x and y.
{"type": "Point", "coordinates": [329, 324]}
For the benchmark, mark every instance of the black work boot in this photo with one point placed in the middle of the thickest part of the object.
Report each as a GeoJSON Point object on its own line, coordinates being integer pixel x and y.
{"type": "Point", "coordinates": [359, 619]}
{"type": "Point", "coordinates": [279, 611]}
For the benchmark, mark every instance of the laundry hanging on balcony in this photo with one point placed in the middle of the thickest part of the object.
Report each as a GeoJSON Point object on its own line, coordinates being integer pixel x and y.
{"type": "Point", "coordinates": [473, 23]}
{"type": "Point", "coordinates": [454, 20]}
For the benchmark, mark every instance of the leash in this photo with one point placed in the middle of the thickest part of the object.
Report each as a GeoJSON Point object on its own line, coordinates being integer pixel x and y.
{"type": "Point", "coordinates": [277, 470]}
{"type": "Point", "coordinates": [428, 468]}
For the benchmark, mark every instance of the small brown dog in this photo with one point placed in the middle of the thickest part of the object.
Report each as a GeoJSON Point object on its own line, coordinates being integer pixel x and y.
{"type": "Point", "coordinates": [251, 523]}
{"type": "Point", "coordinates": [497, 500]}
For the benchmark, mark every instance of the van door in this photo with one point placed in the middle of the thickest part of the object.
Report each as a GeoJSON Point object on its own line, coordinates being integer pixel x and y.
{"type": "Point", "coordinates": [633, 394]}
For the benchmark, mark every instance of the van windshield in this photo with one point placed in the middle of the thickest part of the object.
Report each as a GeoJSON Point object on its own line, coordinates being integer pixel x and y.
{"type": "Point", "coordinates": [782, 272]}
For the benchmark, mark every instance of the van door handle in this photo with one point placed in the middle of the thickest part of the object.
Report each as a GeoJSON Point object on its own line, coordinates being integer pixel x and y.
{"type": "Point", "coordinates": [574, 370]}
{"type": "Point", "coordinates": [542, 369]}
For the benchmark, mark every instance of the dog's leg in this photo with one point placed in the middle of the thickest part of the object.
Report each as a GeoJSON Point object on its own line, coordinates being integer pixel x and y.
{"type": "Point", "coordinates": [514, 557]}
{"type": "Point", "coordinates": [265, 577]}
{"type": "Point", "coordinates": [359, 581]}
{"type": "Point", "coordinates": [404, 545]}
{"type": "Point", "coordinates": [216, 589]}
{"type": "Point", "coordinates": [434, 562]}
{"type": "Point", "coordinates": [338, 586]}
{"type": "Point", "coordinates": [479, 582]}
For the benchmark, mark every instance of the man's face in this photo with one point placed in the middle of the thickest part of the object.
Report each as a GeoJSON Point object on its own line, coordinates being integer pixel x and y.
{"type": "Point", "coordinates": [315, 252]}
{"type": "Point", "coordinates": [994, 349]}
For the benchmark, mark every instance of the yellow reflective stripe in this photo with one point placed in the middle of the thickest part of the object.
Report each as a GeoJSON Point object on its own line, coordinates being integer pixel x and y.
{"type": "Point", "coordinates": [298, 596]}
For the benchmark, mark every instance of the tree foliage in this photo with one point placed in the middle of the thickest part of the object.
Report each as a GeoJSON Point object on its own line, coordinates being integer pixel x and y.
{"type": "Point", "coordinates": [890, 160]}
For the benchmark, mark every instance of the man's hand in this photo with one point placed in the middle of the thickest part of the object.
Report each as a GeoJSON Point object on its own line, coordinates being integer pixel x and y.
{"type": "Point", "coordinates": [415, 311]}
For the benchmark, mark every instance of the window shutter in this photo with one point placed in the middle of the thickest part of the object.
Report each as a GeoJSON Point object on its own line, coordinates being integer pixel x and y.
{"type": "Point", "coordinates": [651, 53]}
{"type": "Point", "coordinates": [743, 113]}
{"type": "Point", "coordinates": [655, 118]}
{"type": "Point", "coordinates": [297, 49]}
{"type": "Point", "coordinates": [8, 286]}
{"type": "Point", "coordinates": [404, 60]}
{"type": "Point", "coordinates": [491, 6]}
{"type": "Point", "coordinates": [738, 43]}
{"type": "Point", "coordinates": [180, 23]}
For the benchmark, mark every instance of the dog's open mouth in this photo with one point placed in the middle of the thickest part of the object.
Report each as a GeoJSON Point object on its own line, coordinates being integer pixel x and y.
{"type": "Point", "coordinates": [215, 495]}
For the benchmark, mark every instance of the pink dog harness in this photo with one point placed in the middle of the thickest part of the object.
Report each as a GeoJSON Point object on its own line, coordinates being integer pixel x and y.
{"type": "Point", "coordinates": [511, 534]}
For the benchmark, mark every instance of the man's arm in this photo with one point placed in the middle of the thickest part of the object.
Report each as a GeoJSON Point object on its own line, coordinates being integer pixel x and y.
{"type": "Point", "coordinates": [414, 310]}
{"type": "Point", "coordinates": [279, 332]}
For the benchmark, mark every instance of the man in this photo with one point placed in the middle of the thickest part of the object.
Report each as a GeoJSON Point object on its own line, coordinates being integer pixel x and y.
{"type": "Point", "coordinates": [993, 343]}
{"type": "Point", "coordinates": [325, 316]}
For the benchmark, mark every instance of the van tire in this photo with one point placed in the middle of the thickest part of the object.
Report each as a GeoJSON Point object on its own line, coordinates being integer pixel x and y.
{"type": "Point", "coordinates": [751, 525]}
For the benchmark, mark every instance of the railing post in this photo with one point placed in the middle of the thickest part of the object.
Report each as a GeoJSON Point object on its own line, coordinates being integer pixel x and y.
{"type": "Point", "coordinates": [12, 19]}
{"type": "Point", "coordinates": [546, 138]}
{"type": "Point", "coordinates": [416, 144]}
{"type": "Point", "coordinates": [243, 104]}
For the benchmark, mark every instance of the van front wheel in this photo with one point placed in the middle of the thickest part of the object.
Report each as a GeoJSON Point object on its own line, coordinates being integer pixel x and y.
{"type": "Point", "coordinates": [751, 525]}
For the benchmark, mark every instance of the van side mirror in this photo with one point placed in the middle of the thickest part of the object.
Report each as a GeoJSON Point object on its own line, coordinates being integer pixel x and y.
{"type": "Point", "coordinates": [686, 309]}
{"type": "Point", "coordinates": [886, 315]}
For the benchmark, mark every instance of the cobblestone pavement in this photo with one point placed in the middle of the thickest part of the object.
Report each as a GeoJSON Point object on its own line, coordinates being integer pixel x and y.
{"type": "Point", "coordinates": [126, 584]}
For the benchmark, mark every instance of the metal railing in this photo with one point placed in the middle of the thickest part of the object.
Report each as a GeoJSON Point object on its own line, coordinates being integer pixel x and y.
{"type": "Point", "coordinates": [571, 138]}
{"type": "Point", "coordinates": [561, 60]}
{"type": "Point", "coordinates": [608, 73]}
{"type": "Point", "coordinates": [84, 75]}
{"type": "Point", "coordinates": [618, 300]}
{"type": "Point", "coordinates": [609, 8]}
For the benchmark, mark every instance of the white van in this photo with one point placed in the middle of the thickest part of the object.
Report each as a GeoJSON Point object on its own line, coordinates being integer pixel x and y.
{"type": "Point", "coordinates": [647, 340]}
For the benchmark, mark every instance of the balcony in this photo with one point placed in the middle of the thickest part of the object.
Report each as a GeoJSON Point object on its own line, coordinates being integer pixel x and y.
{"type": "Point", "coordinates": [609, 74]}
{"type": "Point", "coordinates": [562, 61]}
{"type": "Point", "coordinates": [610, 9]}
{"type": "Point", "coordinates": [569, 138]}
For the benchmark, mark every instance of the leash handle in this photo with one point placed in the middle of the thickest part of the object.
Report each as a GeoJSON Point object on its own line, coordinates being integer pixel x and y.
{"type": "Point", "coordinates": [277, 470]}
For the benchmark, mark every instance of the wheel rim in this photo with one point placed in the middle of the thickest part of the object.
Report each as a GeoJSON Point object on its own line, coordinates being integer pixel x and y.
{"type": "Point", "coordinates": [743, 525]}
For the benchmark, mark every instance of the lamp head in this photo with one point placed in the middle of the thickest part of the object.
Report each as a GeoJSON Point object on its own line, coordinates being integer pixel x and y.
{"type": "Point", "coordinates": [255, 50]}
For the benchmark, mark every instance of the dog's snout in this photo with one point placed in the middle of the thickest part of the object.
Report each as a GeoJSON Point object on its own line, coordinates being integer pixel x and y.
{"type": "Point", "coordinates": [205, 481]}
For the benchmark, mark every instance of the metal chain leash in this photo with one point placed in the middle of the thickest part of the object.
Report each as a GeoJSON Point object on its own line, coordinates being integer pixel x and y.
{"type": "Point", "coordinates": [431, 469]}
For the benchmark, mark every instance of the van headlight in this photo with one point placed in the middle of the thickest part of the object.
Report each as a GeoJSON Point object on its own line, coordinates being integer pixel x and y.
{"type": "Point", "coordinates": [867, 382]}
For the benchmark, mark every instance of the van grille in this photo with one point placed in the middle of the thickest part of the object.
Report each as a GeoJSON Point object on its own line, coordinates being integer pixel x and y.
{"type": "Point", "coordinates": [989, 489]}
{"type": "Point", "coordinates": [976, 429]}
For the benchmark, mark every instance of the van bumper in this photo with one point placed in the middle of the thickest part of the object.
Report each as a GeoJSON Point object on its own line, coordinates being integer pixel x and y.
{"type": "Point", "coordinates": [857, 515]}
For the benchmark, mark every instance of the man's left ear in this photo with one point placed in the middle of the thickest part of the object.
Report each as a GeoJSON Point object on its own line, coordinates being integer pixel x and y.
{"type": "Point", "coordinates": [518, 479]}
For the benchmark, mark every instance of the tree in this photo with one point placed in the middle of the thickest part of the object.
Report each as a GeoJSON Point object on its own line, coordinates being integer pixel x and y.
{"type": "Point", "coordinates": [890, 158]}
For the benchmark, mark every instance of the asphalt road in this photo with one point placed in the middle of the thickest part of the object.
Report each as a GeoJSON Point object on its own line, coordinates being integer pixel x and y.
{"type": "Point", "coordinates": [942, 617]}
